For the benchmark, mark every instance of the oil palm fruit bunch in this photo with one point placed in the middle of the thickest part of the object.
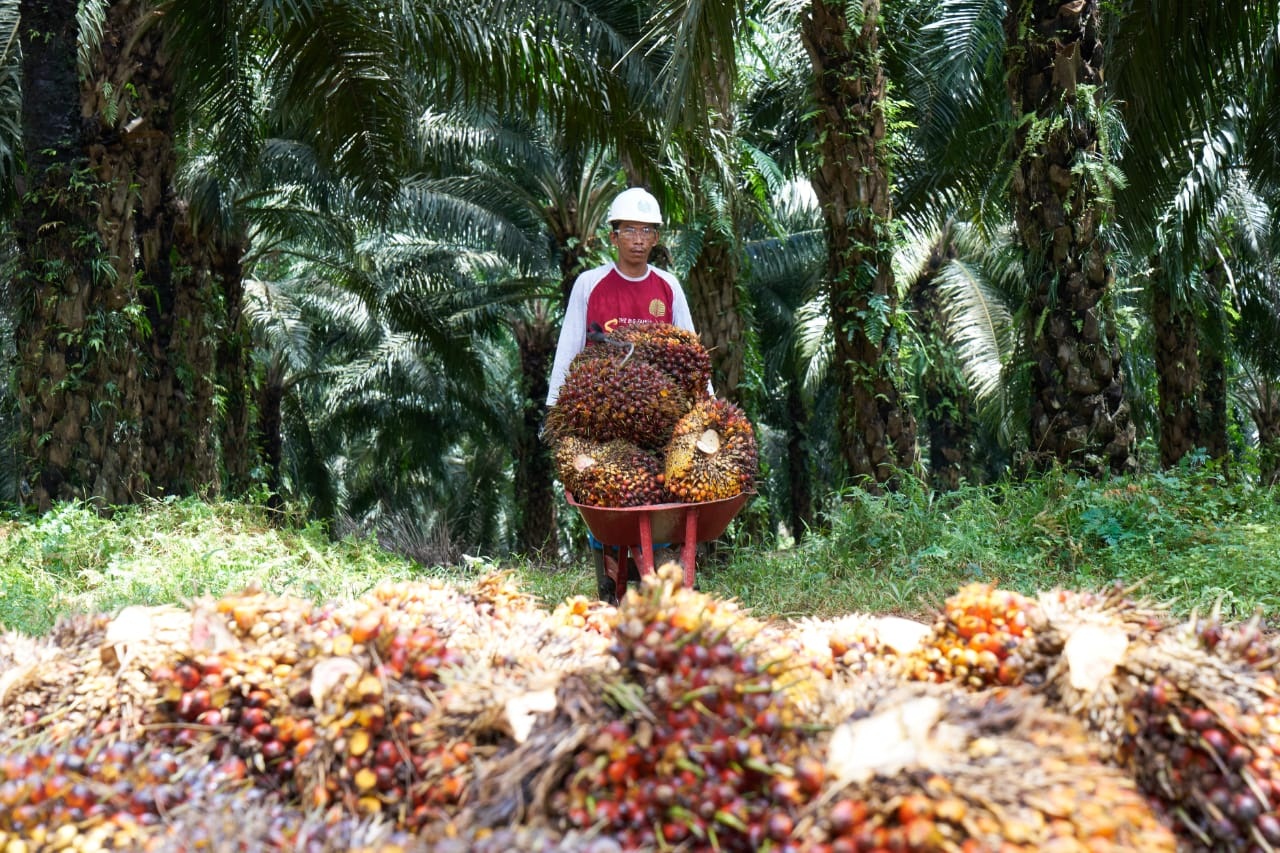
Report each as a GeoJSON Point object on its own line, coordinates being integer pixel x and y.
{"type": "Point", "coordinates": [712, 453]}
{"type": "Point", "coordinates": [84, 795]}
{"type": "Point", "coordinates": [707, 749]}
{"type": "Point", "coordinates": [608, 397]}
{"type": "Point", "coordinates": [1191, 709]}
{"type": "Point", "coordinates": [980, 638]}
{"type": "Point", "coordinates": [334, 713]}
{"type": "Point", "coordinates": [88, 677]}
{"type": "Point", "coordinates": [383, 708]}
{"type": "Point", "coordinates": [927, 768]}
{"type": "Point", "coordinates": [856, 644]}
{"type": "Point", "coordinates": [676, 351]}
{"type": "Point", "coordinates": [610, 474]}
{"type": "Point", "coordinates": [266, 823]}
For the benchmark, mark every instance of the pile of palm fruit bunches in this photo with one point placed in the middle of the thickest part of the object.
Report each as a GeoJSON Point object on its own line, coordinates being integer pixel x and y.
{"type": "Point", "coordinates": [467, 717]}
{"type": "Point", "coordinates": [635, 424]}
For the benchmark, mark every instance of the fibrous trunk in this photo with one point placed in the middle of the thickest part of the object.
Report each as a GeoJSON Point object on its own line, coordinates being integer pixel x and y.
{"type": "Point", "coordinates": [536, 339]}
{"type": "Point", "coordinates": [948, 404]}
{"type": "Point", "coordinates": [1178, 374]}
{"type": "Point", "coordinates": [1213, 373]}
{"type": "Point", "coordinates": [118, 338]}
{"type": "Point", "coordinates": [78, 327]}
{"type": "Point", "coordinates": [799, 478]}
{"type": "Point", "coordinates": [1079, 411]}
{"type": "Point", "coordinates": [714, 300]}
{"type": "Point", "coordinates": [877, 433]}
{"type": "Point", "coordinates": [1266, 416]}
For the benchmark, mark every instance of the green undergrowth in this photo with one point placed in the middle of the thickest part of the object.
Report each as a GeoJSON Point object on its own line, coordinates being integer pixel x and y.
{"type": "Point", "coordinates": [1192, 539]}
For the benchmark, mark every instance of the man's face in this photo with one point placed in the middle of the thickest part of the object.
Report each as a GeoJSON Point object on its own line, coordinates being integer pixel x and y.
{"type": "Point", "coordinates": [634, 240]}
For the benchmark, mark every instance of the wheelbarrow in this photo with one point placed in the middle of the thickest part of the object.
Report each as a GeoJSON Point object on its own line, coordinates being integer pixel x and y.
{"type": "Point", "coordinates": [631, 531]}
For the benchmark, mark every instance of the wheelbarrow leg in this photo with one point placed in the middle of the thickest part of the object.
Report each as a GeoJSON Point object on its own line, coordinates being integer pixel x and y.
{"type": "Point", "coordinates": [690, 549]}
{"type": "Point", "coordinates": [619, 567]}
{"type": "Point", "coordinates": [645, 558]}
{"type": "Point", "coordinates": [610, 583]}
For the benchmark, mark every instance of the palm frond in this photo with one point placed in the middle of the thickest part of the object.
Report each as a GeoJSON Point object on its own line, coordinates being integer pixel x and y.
{"type": "Point", "coordinates": [10, 99]}
{"type": "Point", "coordinates": [91, 18]}
{"type": "Point", "coordinates": [980, 325]}
{"type": "Point", "coordinates": [334, 75]}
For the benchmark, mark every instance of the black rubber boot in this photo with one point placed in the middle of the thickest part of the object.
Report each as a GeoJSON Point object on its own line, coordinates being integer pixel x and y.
{"type": "Point", "coordinates": [606, 589]}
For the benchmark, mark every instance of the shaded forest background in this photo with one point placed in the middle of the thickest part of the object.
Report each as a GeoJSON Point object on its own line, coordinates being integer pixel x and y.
{"type": "Point", "coordinates": [317, 252]}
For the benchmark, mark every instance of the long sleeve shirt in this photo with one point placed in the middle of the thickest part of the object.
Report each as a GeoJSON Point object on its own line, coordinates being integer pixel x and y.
{"type": "Point", "coordinates": [605, 296]}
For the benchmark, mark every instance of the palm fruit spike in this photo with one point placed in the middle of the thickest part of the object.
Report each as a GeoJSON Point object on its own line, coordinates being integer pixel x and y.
{"type": "Point", "coordinates": [611, 474]}
{"type": "Point", "coordinates": [1197, 724]}
{"type": "Point", "coordinates": [606, 398]}
{"type": "Point", "coordinates": [708, 750]}
{"type": "Point", "coordinates": [979, 639]}
{"type": "Point", "coordinates": [712, 454]}
{"type": "Point", "coordinates": [924, 767]}
{"type": "Point", "coordinates": [676, 351]}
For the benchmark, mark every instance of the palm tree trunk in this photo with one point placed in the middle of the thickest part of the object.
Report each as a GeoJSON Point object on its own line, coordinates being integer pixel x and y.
{"type": "Point", "coordinates": [535, 473]}
{"type": "Point", "coordinates": [271, 432]}
{"type": "Point", "coordinates": [535, 334]}
{"type": "Point", "coordinates": [117, 343]}
{"type": "Point", "coordinates": [948, 405]}
{"type": "Point", "coordinates": [78, 327]}
{"type": "Point", "coordinates": [801, 515]}
{"type": "Point", "coordinates": [1079, 411]}
{"type": "Point", "coordinates": [714, 299]}
{"type": "Point", "coordinates": [232, 359]}
{"type": "Point", "coordinates": [1266, 416]}
{"type": "Point", "coordinates": [147, 235]}
{"type": "Point", "coordinates": [714, 304]}
{"type": "Point", "coordinates": [1213, 374]}
{"type": "Point", "coordinates": [877, 432]}
{"type": "Point", "coordinates": [1177, 339]}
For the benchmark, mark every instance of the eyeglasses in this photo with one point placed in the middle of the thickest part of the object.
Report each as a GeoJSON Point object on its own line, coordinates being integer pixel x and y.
{"type": "Point", "coordinates": [631, 232]}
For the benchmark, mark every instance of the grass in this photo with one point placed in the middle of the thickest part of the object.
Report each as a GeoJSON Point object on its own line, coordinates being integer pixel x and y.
{"type": "Point", "coordinates": [1192, 538]}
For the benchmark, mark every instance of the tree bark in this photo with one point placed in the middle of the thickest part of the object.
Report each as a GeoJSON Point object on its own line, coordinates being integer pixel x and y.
{"type": "Point", "coordinates": [1266, 416]}
{"type": "Point", "coordinates": [1079, 410]}
{"type": "Point", "coordinates": [1213, 374]}
{"type": "Point", "coordinates": [801, 516]}
{"type": "Point", "coordinates": [712, 288]}
{"type": "Point", "coordinates": [535, 472]}
{"type": "Point", "coordinates": [117, 341]}
{"type": "Point", "coordinates": [877, 432]}
{"type": "Point", "coordinates": [79, 324]}
{"type": "Point", "coordinates": [948, 405]}
{"type": "Point", "coordinates": [715, 305]}
{"type": "Point", "coordinates": [1177, 359]}
{"type": "Point", "coordinates": [233, 366]}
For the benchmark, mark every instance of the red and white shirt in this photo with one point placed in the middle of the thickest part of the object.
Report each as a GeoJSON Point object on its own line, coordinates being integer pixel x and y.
{"type": "Point", "coordinates": [605, 296]}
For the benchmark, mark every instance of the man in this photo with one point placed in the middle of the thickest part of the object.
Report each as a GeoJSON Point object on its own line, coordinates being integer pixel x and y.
{"type": "Point", "coordinates": [626, 290]}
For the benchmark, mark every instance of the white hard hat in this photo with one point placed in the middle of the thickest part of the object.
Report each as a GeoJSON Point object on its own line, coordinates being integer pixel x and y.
{"type": "Point", "coordinates": [635, 205]}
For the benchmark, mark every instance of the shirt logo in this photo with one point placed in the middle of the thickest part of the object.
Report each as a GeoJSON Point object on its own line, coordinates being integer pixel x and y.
{"type": "Point", "coordinates": [657, 308]}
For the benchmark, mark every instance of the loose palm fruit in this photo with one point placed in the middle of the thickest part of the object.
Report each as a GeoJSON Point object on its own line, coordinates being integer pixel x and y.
{"type": "Point", "coordinates": [980, 639]}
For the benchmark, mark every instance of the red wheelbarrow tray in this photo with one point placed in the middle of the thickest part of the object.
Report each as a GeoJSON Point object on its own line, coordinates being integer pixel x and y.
{"type": "Point", "coordinates": [638, 527]}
